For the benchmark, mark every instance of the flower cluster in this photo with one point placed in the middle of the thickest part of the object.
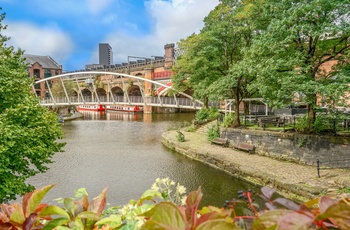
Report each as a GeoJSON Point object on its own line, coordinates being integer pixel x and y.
{"type": "Point", "coordinates": [170, 191]}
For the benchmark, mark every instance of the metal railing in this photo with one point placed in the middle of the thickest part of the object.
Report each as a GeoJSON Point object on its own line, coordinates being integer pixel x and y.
{"type": "Point", "coordinates": [130, 100]}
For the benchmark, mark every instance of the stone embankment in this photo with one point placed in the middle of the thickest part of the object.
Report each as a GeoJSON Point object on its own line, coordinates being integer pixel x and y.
{"type": "Point", "coordinates": [292, 180]}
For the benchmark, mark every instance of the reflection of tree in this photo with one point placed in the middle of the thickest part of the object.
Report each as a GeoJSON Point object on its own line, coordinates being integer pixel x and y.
{"type": "Point", "coordinates": [58, 91]}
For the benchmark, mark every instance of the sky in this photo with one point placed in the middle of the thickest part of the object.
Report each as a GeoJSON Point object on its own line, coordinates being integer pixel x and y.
{"type": "Point", "coordinates": [69, 31]}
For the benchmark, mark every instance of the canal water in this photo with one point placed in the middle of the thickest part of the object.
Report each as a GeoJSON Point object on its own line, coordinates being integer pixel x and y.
{"type": "Point", "coordinates": [124, 153]}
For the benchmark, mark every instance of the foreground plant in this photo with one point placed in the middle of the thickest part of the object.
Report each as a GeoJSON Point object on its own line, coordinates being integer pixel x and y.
{"type": "Point", "coordinates": [281, 213]}
{"type": "Point", "coordinates": [165, 206]}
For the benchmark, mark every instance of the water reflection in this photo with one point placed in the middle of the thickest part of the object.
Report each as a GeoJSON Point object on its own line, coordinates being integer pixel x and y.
{"type": "Point", "coordinates": [127, 156]}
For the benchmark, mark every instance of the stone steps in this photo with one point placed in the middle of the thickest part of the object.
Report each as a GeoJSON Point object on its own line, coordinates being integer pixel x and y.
{"type": "Point", "coordinates": [203, 129]}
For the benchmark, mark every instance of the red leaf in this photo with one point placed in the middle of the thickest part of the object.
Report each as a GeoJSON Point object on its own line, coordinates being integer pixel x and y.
{"type": "Point", "coordinates": [98, 204]}
{"type": "Point", "coordinates": [325, 202]}
{"type": "Point", "coordinates": [192, 203]}
{"type": "Point", "coordinates": [32, 201]}
{"type": "Point", "coordinates": [287, 203]}
{"type": "Point", "coordinates": [339, 214]}
{"type": "Point", "coordinates": [28, 223]}
{"type": "Point", "coordinates": [268, 192]}
{"type": "Point", "coordinates": [295, 220]}
{"type": "Point", "coordinates": [210, 216]}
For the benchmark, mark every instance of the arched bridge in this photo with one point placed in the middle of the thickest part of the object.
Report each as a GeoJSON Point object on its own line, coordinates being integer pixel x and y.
{"type": "Point", "coordinates": [108, 88]}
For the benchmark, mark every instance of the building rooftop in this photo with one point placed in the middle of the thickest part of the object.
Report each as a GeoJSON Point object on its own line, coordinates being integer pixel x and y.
{"type": "Point", "coordinates": [45, 61]}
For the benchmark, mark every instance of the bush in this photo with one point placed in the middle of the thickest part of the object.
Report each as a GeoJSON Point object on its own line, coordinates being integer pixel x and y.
{"type": "Point", "coordinates": [301, 124]}
{"type": "Point", "coordinates": [201, 115]}
{"type": "Point", "coordinates": [207, 114]}
{"type": "Point", "coordinates": [213, 132]}
{"type": "Point", "coordinates": [228, 120]}
{"type": "Point", "coordinates": [180, 136]}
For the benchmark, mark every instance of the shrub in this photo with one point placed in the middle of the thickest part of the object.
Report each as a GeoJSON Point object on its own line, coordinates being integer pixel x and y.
{"type": "Point", "coordinates": [201, 115]}
{"type": "Point", "coordinates": [301, 124]}
{"type": "Point", "coordinates": [213, 132]}
{"type": "Point", "coordinates": [180, 136]}
{"type": "Point", "coordinates": [228, 120]}
{"type": "Point", "coordinates": [207, 114]}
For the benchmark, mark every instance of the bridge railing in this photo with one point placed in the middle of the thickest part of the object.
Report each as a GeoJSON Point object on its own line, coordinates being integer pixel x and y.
{"type": "Point", "coordinates": [132, 100]}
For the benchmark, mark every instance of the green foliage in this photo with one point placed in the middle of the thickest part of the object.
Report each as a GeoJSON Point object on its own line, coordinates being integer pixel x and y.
{"type": "Point", "coordinates": [206, 114]}
{"type": "Point", "coordinates": [301, 124]}
{"type": "Point", "coordinates": [180, 136]}
{"type": "Point", "coordinates": [201, 114]}
{"type": "Point", "coordinates": [58, 90]}
{"type": "Point", "coordinates": [166, 206]}
{"type": "Point", "coordinates": [299, 39]}
{"type": "Point", "coordinates": [324, 123]}
{"type": "Point", "coordinates": [228, 120]}
{"type": "Point", "coordinates": [213, 132]}
{"type": "Point", "coordinates": [28, 131]}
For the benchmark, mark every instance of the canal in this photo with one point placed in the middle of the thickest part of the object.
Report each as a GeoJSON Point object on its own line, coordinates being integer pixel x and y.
{"type": "Point", "coordinates": [124, 153]}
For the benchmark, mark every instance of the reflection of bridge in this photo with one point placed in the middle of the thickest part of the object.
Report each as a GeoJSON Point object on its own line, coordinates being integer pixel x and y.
{"type": "Point", "coordinates": [95, 87]}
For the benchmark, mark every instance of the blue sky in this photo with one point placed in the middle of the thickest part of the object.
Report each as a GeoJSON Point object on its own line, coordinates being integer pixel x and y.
{"type": "Point", "coordinates": [70, 30]}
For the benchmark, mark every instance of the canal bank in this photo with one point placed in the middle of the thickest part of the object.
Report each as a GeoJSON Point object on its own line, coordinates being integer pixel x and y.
{"type": "Point", "coordinates": [292, 180]}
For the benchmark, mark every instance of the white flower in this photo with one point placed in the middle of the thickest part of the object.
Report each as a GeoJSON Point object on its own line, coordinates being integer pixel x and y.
{"type": "Point", "coordinates": [155, 187]}
{"type": "Point", "coordinates": [180, 189]}
{"type": "Point", "coordinates": [183, 200]}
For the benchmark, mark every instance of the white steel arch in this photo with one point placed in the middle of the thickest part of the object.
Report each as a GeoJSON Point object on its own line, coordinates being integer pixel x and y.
{"type": "Point", "coordinates": [87, 77]}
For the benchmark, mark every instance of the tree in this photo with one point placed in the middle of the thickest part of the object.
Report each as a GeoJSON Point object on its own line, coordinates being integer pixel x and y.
{"type": "Point", "coordinates": [302, 38]}
{"type": "Point", "coordinates": [211, 63]}
{"type": "Point", "coordinates": [58, 90]}
{"type": "Point", "coordinates": [28, 131]}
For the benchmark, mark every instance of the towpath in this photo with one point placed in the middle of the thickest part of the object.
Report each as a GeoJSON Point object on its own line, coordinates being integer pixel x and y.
{"type": "Point", "coordinates": [292, 180]}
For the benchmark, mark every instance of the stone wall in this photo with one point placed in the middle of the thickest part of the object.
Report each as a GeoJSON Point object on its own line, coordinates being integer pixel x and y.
{"type": "Point", "coordinates": [333, 151]}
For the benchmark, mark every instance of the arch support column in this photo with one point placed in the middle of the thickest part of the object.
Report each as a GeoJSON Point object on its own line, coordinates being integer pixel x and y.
{"type": "Point", "coordinates": [149, 75]}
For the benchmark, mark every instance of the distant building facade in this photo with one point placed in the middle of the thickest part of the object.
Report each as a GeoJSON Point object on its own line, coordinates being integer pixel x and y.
{"type": "Point", "coordinates": [105, 54]}
{"type": "Point", "coordinates": [40, 67]}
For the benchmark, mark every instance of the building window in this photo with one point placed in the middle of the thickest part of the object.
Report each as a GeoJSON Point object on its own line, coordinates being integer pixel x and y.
{"type": "Point", "coordinates": [36, 86]}
{"type": "Point", "coordinates": [47, 73]}
{"type": "Point", "coordinates": [36, 73]}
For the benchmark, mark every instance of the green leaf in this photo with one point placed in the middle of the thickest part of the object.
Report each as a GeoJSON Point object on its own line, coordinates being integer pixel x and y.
{"type": "Point", "coordinates": [149, 194]}
{"type": "Point", "coordinates": [220, 224]}
{"type": "Point", "coordinates": [78, 224]}
{"type": "Point", "coordinates": [35, 199]}
{"type": "Point", "coordinates": [165, 215]}
{"type": "Point", "coordinates": [113, 221]}
{"type": "Point", "coordinates": [132, 225]}
{"type": "Point", "coordinates": [54, 210]}
{"type": "Point", "coordinates": [269, 219]}
{"type": "Point", "coordinates": [62, 228]}
{"type": "Point", "coordinates": [55, 223]}
{"type": "Point", "coordinates": [89, 216]}
{"type": "Point", "coordinates": [17, 215]}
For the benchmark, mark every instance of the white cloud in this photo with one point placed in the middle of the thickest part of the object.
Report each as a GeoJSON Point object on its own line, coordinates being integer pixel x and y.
{"type": "Point", "coordinates": [39, 41]}
{"type": "Point", "coordinates": [173, 20]}
{"type": "Point", "coordinates": [97, 6]}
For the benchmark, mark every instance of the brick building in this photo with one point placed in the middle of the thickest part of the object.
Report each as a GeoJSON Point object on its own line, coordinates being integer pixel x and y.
{"type": "Point", "coordinates": [40, 67]}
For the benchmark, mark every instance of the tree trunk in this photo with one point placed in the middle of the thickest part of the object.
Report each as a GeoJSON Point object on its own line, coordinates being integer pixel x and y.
{"type": "Point", "coordinates": [311, 113]}
{"type": "Point", "coordinates": [206, 103]}
{"type": "Point", "coordinates": [311, 117]}
{"type": "Point", "coordinates": [237, 121]}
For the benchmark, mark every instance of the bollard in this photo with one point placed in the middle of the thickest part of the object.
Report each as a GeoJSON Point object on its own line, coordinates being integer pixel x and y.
{"type": "Point", "coordinates": [318, 168]}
